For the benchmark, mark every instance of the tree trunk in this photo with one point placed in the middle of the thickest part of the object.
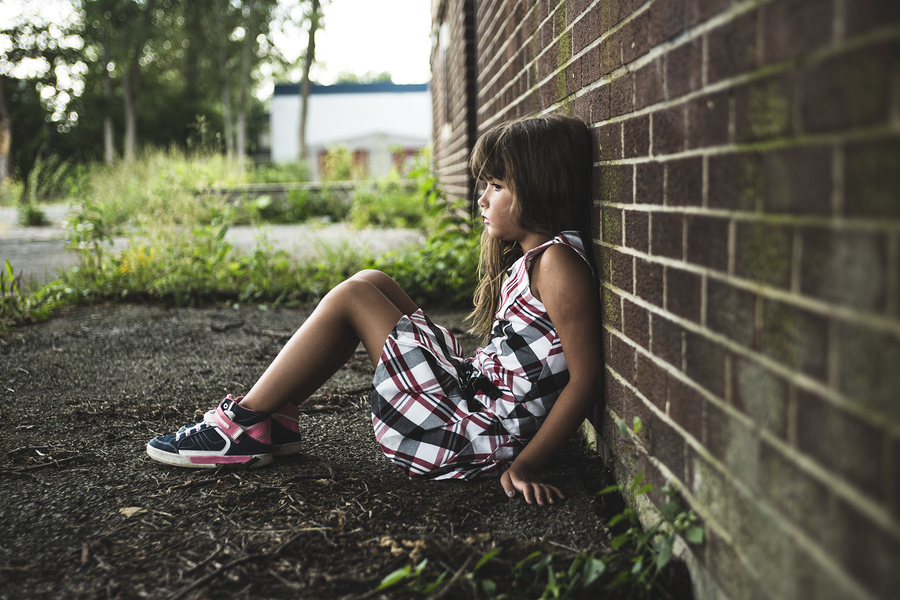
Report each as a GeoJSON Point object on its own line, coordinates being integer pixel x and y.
{"type": "Point", "coordinates": [305, 85]}
{"type": "Point", "coordinates": [5, 136]}
{"type": "Point", "coordinates": [222, 36]}
{"type": "Point", "coordinates": [241, 135]}
{"type": "Point", "coordinates": [130, 114]}
{"type": "Point", "coordinates": [109, 152]}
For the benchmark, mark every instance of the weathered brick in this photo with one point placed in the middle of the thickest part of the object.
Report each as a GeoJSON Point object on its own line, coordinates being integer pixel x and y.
{"type": "Point", "coordinates": [599, 104]}
{"type": "Point", "coordinates": [649, 183]}
{"type": "Point", "coordinates": [708, 121]}
{"type": "Point", "coordinates": [648, 84]}
{"type": "Point", "coordinates": [614, 392]}
{"type": "Point", "coordinates": [666, 233]}
{"type": "Point", "coordinates": [612, 12]}
{"type": "Point", "coordinates": [621, 270]}
{"type": "Point", "coordinates": [612, 225]}
{"type": "Point", "coordinates": [731, 312]}
{"type": "Point", "coordinates": [696, 11]}
{"type": "Point", "coordinates": [684, 182]}
{"type": "Point", "coordinates": [795, 337]}
{"type": "Point", "coordinates": [736, 181]}
{"type": "Point", "coordinates": [648, 279]}
{"type": "Point", "coordinates": [761, 395]}
{"type": "Point", "coordinates": [841, 442]}
{"type": "Point", "coordinates": [868, 551]}
{"type": "Point", "coordinates": [685, 406]}
{"type": "Point", "coordinates": [651, 380]}
{"type": "Point", "coordinates": [636, 323]}
{"type": "Point", "coordinates": [872, 179]}
{"type": "Point", "coordinates": [893, 492]}
{"type": "Point", "coordinates": [666, 20]}
{"type": "Point", "coordinates": [848, 90]}
{"type": "Point", "coordinates": [612, 308]}
{"type": "Point", "coordinates": [707, 242]}
{"type": "Point", "coordinates": [734, 443]}
{"type": "Point", "coordinates": [868, 371]}
{"type": "Point", "coordinates": [609, 141]}
{"type": "Point", "coordinates": [590, 66]}
{"type": "Point", "coordinates": [610, 54]}
{"type": "Point", "coordinates": [684, 69]}
{"type": "Point", "coordinates": [667, 127]}
{"type": "Point", "coordinates": [784, 39]}
{"type": "Point", "coordinates": [621, 359]}
{"type": "Point", "coordinates": [636, 137]}
{"type": "Point", "coordinates": [637, 230]}
{"type": "Point", "coordinates": [665, 340]}
{"type": "Point", "coordinates": [871, 14]}
{"type": "Point", "coordinates": [621, 95]}
{"type": "Point", "coordinates": [798, 180]}
{"type": "Point", "coordinates": [635, 38]}
{"type": "Point", "coordinates": [666, 444]}
{"type": "Point", "coordinates": [683, 293]}
{"type": "Point", "coordinates": [729, 572]}
{"type": "Point", "coordinates": [762, 108]}
{"type": "Point", "coordinates": [848, 268]}
{"type": "Point", "coordinates": [615, 185]}
{"type": "Point", "coordinates": [705, 363]}
{"type": "Point", "coordinates": [731, 48]}
{"type": "Point", "coordinates": [764, 252]}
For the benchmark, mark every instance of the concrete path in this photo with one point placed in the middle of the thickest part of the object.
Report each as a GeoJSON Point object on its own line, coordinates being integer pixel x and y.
{"type": "Point", "coordinates": [39, 252]}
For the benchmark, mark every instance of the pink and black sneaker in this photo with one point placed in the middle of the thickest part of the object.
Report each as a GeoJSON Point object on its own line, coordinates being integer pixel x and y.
{"type": "Point", "coordinates": [228, 435]}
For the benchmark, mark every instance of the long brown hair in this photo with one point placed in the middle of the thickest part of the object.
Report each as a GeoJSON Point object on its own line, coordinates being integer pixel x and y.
{"type": "Point", "coordinates": [546, 162]}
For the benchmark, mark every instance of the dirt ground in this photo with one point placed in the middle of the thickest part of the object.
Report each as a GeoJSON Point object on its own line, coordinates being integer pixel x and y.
{"type": "Point", "coordinates": [84, 513]}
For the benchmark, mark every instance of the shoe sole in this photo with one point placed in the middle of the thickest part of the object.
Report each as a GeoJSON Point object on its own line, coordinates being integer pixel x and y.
{"type": "Point", "coordinates": [198, 461]}
{"type": "Point", "coordinates": [287, 449]}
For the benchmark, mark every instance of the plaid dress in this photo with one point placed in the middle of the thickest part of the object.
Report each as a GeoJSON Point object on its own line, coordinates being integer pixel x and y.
{"type": "Point", "coordinates": [438, 415]}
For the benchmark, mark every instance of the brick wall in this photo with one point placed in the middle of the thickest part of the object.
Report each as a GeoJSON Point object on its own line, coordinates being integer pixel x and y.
{"type": "Point", "coordinates": [747, 195]}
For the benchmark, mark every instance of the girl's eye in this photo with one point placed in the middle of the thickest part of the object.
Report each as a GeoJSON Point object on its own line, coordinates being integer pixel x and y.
{"type": "Point", "coordinates": [497, 187]}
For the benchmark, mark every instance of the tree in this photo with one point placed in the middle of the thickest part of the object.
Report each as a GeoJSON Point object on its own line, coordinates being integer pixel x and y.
{"type": "Point", "coordinates": [314, 17]}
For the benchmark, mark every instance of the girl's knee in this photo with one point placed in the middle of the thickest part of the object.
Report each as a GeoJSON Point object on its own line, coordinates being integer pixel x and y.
{"type": "Point", "coordinates": [373, 276]}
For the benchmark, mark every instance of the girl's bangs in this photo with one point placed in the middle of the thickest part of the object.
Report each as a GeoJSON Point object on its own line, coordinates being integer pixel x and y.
{"type": "Point", "coordinates": [486, 162]}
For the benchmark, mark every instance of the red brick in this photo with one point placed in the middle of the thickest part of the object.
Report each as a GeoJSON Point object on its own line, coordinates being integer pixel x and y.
{"type": "Point", "coordinates": [621, 95]}
{"type": "Point", "coordinates": [798, 180]}
{"type": "Point", "coordinates": [615, 394]}
{"type": "Point", "coordinates": [612, 225]}
{"type": "Point", "coordinates": [784, 39]}
{"type": "Point", "coordinates": [707, 242]}
{"type": "Point", "coordinates": [585, 31]}
{"type": "Point", "coordinates": [868, 551]}
{"type": "Point", "coordinates": [636, 136]}
{"type": "Point", "coordinates": [764, 253]}
{"type": "Point", "coordinates": [849, 90]}
{"type": "Point", "coordinates": [894, 479]}
{"type": "Point", "coordinates": [683, 293]}
{"type": "Point", "coordinates": [696, 11]}
{"type": "Point", "coordinates": [761, 395]}
{"type": "Point", "coordinates": [731, 311]}
{"type": "Point", "coordinates": [651, 380]}
{"type": "Point", "coordinates": [685, 406]}
{"type": "Point", "coordinates": [847, 268]}
{"type": "Point", "coordinates": [735, 181]}
{"type": "Point", "coordinates": [637, 230]}
{"type": "Point", "coordinates": [868, 373]}
{"type": "Point", "coordinates": [684, 182]}
{"type": "Point", "coordinates": [621, 359]}
{"type": "Point", "coordinates": [649, 183]}
{"type": "Point", "coordinates": [635, 38]}
{"type": "Point", "coordinates": [666, 20]}
{"type": "Point", "coordinates": [666, 444]}
{"type": "Point", "coordinates": [621, 270]}
{"type": "Point", "coordinates": [731, 48]}
{"type": "Point", "coordinates": [636, 324]}
{"type": "Point", "coordinates": [613, 11]}
{"type": "Point", "coordinates": [795, 337]}
{"type": "Point", "coordinates": [684, 69]}
{"type": "Point", "coordinates": [615, 184]}
{"type": "Point", "coordinates": [590, 66]}
{"type": "Point", "coordinates": [648, 84]}
{"type": "Point", "coordinates": [708, 121]}
{"type": "Point", "coordinates": [600, 104]}
{"type": "Point", "coordinates": [705, 363]}
{"type": "Point", "coordinates": [798, 495]}
{"type": "Point", "coordinates": [665, 340]}
{"type": "Point", "coordinates": [730, 572]}
{"type": "Point", "coordinates": [666, 234]}
{"type": "Point", "coordinates": [648, 279]}
{"type": "Point", "coordinates": [872, 179]}
{"type": "Point", "coordinates": [841, 442]}
{"type": "Point", "coordinates": [610, 54]}
{"type": "Point", "coordinates": [718, 428]}
{"type": "Point", "coordinates": [667, 129]}
{"type": "Point", "coordinates": [762, 108]}
{"type": "Point", "coordinates": [610, 141]}
{"type": "Point", "coordinates": [866, 15]}
{"type": "Point", "coordinates": [612, 308]}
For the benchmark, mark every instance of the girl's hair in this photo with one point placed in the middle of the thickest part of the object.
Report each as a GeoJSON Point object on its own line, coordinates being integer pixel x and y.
{"type": "Point", "coordinates": [546, 162]}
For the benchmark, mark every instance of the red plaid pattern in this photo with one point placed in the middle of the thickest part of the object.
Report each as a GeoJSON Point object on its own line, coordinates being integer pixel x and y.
{"type": "Point", "coordinates": [435, 420]}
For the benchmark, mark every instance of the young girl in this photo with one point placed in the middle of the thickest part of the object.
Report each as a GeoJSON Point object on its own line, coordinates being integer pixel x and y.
{"type": "Point", "coordinates": [506, 411]}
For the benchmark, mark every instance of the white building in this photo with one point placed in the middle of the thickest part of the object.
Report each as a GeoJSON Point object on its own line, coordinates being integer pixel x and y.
{"type": "Point", "coordinates": [379, 123]}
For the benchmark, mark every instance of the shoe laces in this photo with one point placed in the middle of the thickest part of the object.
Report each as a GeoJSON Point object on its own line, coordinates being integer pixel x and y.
{"type": "Point", "coordinates": [209, 420]}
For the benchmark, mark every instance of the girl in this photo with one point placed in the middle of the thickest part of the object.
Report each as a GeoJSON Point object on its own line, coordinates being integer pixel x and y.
{"type": "Point", "coordinates": [506, 411]}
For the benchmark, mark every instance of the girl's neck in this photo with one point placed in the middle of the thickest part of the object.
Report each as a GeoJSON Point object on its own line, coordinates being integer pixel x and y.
{"type": "Point", "coordinates": [533, 240]}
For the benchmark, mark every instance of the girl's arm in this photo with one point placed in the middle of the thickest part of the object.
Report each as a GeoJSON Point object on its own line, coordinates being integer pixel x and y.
{"type": "Point", "coordinates": [562, 281]}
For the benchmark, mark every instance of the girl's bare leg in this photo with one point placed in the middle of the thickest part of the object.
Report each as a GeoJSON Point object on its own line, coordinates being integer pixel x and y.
{"type": "Point", "coordinates": [365, 308]}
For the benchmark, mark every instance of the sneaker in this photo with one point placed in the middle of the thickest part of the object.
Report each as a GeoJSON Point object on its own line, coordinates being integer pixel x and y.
{"type": "Point", "coordinates": [285, 428]}
{"type": "Point", "coordinates": [228, 435]}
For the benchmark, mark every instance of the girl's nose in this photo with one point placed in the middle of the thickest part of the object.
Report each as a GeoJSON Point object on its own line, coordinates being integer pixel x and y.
{"type": "Point", "coordinates": [482, 200]}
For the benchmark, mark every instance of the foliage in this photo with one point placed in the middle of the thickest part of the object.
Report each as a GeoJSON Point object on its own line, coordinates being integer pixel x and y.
{"type": "Point", "coordinates": [387, 203]}
{"type": "Point", "coordinates": [338, 165]}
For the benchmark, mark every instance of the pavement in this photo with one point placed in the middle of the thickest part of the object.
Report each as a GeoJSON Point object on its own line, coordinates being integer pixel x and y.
{"type": "Point", "coordinates": [39, 252]}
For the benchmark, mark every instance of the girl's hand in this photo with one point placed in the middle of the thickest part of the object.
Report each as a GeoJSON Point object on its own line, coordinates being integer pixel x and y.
{"type": "Point", "coordinates": [529, 483]}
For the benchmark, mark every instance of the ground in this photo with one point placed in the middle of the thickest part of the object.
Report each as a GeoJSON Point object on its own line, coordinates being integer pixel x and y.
{"type": "Point", "coordinates": [86, 514]}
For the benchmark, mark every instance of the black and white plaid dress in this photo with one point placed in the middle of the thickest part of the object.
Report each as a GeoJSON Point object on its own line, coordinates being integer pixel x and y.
{"type": "Point", "coordinates": [438, 415]}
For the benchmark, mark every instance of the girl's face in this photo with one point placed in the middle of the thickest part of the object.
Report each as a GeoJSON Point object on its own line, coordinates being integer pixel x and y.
{"type": "Point", "coordinates": [496, 205]}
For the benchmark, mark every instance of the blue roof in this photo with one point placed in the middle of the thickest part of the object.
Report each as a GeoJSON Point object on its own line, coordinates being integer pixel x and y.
{"type": "Point", "coordinates": [292, 89]}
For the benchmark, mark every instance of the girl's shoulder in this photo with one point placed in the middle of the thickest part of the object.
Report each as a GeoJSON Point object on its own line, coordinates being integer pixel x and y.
{"type": "Point", "coordinates": [557, 245]}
